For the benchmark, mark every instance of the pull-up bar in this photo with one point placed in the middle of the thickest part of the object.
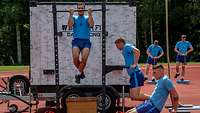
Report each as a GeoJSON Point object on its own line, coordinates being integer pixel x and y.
{"type": "Point", "coordinates": [76, 10]}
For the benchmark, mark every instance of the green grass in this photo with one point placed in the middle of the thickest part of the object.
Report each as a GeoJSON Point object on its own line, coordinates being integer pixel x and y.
{"type": "Point", "coordinates": [14, 68]}
{"type": "Point", "coordinates": [26, 68]}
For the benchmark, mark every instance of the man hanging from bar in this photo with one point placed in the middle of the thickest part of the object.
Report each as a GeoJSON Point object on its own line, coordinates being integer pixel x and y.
{"type": "Point", "coordinates": [81, 44]}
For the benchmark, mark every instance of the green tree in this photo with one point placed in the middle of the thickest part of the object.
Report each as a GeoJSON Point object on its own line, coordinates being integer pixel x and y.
{"type": "Point", "coordinates": [14, 14]}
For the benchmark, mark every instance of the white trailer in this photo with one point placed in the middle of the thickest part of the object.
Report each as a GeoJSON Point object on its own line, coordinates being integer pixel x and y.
{"type": "Point", "coordinates": [120, 21]}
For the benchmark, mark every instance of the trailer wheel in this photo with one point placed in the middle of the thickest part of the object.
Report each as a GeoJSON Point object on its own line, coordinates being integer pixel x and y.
{"type": "Point", "coordinates": [19, 85]}
{"type": "Point", "coordinates": [110, 102]}
{"type": "Point", "coordinates": [69, 94]}
{"type": "Point", "coordinates": [13, 108]}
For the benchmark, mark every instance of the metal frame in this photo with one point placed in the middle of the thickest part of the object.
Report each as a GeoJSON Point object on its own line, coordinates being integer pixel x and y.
{"type": "Point", "coordinates": [56, 55]}
{"type": "Point", "coordinates": [105, 68]}
{"type": "Point", "coordinates": [104, 34]}
{"type": "Point", "coordinates": [33, 3]}
{"type": "Point", "coordinates": [25, 99]}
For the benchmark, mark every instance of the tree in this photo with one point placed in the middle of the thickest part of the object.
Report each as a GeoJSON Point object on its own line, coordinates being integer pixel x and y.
{"type": "Point", "coordinates": [14, 14]}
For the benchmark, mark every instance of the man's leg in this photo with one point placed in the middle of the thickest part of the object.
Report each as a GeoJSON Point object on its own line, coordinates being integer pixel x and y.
{"type": "Point", "coordinates": [153, 65]}
{"type": "Point", "coordinates": [183, 67]}
{"type": "Point", "coordinates": [177, 69]}
{"type": "Point", "coordinates": [147, 70]}
{"type": "Point", "coordinates": [75, 55]}
{"type": "Point", "coordinates": [84, 56]}
{"type": "Point", "coordinates": [136, 95]}
{"type": "Point", "coordinates": [133, 110]}
{"type": "Point", "coordinates": [183, 71]}
{"type": "Point", "coordinates": [76, 61]}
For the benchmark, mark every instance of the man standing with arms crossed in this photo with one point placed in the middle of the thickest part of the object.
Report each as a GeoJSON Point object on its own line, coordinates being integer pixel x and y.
{"type": "Point", "coordinates": [81, 44]}
{"type": "Point", "coordinates": [154, 52]}
{"type": "Point", "coordinates": [182, 48]}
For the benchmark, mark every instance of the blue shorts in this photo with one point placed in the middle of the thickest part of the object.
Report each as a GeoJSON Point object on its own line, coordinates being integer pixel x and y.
{"type": "Point", "coordinates": [151, 61]}
{"type": "Point", "coordinates": [147, 107]}
{"type": "Point", "coordinates": [81, 43]}
{"type": "Point", "coordinates": [136, 79]}
{"type": "Point", "coordinates": [181, 58]}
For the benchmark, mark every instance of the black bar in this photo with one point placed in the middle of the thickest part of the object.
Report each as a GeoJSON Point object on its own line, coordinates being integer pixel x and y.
{"type": "Point", "coordinates": [33, 3]}
{"type": "Point", "coordinates": [56, 56]}
{"type": "Point", "coordinates": [48, 71]}
{"type": "Point", "coordinates": [103, 53]}
{"type": "Point", "coordinates": [87, 3]}
{"type": "Point", "coordinates": [81, 10]}
{"type": "Point", "coordinates": [110, 68]}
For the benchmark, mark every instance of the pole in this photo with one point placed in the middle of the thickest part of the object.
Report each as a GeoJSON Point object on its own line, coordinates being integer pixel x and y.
{"type": "Point", "coordinates": [56, 56]}
{"type": "Point", "coordinates": [103, 54]}
{"type": "Point", "coordinates": [123, 99]}
{"type": "Point", "coordinates": [167, 36]}
{"type": "Point", "coordinates": [151, 30]}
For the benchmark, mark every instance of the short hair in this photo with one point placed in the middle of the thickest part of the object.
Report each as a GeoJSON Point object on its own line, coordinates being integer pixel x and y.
{"type": "Point", "coordinates": [120, 39]}
{"type": "Point", "coordinates": [156, 40]}
{"type": "Point", "coordinates": [183, 36]}
{"type": "Point", "coordinates": [81, 3]}
{"type": "Point", "coordinates": [159, 66]}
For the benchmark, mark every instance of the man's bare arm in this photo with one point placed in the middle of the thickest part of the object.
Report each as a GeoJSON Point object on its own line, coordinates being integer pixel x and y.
{"type": "Point", "coordinates": [176, 50]}
{"type": "Point", "coordinates": [70, 19]}
{"type": "Point", "coordinates": [90, 18]}
{"type": "Point", "coordinates": [174, 98]}
{"type": "Point", "coordinates": [190, 50]}
{"type": "Point", "coordinates": [149, 54]}
{"type": "Point", "coordinates": [137, 55]}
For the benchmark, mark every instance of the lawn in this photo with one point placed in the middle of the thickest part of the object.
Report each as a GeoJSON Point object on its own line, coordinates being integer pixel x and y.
{"type": "Point", "coordinates": [14, 68]}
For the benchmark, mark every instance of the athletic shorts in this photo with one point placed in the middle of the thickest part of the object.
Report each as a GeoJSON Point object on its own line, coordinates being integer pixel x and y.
{"type": "Point", "coordinates": [81, 43]}
{"type": "Point", "coordinates": [147, 107]}
{"type": "Point", "coordinates": [181, 58]}
{"type": "Point", "coordinates": [151, 61]}
{"type": "Point", "coordinates": [136, 79]}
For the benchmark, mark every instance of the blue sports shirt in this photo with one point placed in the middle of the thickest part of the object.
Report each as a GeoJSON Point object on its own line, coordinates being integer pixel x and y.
{"type": "Point", "coordinates": [161, 92]}
{"type": "Point", "coordinates": [154, 50]}
{"type": "Point", "coordinates": [81, 28]}
{"type": "Point", "coordinates": [183, 46]}
{"type": "Point", "coordinates": [129, 57]}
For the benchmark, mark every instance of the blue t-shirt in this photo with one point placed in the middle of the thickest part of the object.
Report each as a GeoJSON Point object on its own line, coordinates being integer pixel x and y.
{"type": "Point", "coordinates": [81, 28]}
{"type": "Point", "coordinates": [183, 46]}
{"type": "Point", "coordinates": [154, 50]}
{"type": "Point", "coordinates": [161, 92]}
{"type": "Point", "coordinates": [129, 57]}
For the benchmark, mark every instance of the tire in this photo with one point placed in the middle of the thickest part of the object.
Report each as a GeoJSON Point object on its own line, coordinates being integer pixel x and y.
{"type": "Point", "coordinates": [72, 93]}
{"type": "Point", "coordinates": [13, 108]}
{"type": "Point", "coordinates": [21, 82]}
{"type": "Point", "coordinates": [110, 102]}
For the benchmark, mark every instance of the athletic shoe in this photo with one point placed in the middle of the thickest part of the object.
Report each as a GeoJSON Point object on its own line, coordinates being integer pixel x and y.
{"type": "Point", "coordinates": [145, 78]}
{"type": "Point", "coordinates": [82, 75]}
{"type": "Point", "coordinates": [77, 79]}
{"type": "Point", "coordinates": [153, 80]}
{"type": "Point", "coordinates": [177, 74]}
{"type": "Point", "coordinates": [182, 79]}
